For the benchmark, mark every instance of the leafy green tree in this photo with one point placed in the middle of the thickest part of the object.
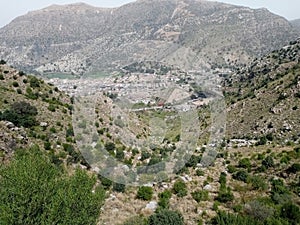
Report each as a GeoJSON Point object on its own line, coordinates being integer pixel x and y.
{"type": "Point", "coordinates": [291, 212]}
{"type": "Point", "coordinates": [35, 191]}
{"type": "Point", "coordinates": [166, 217]}
{"type": "Point", "coordinates": [145, 193]}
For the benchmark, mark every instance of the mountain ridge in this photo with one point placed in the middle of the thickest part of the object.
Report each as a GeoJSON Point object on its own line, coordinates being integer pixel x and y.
{"type": "Point", "coordinates": [188, 33]}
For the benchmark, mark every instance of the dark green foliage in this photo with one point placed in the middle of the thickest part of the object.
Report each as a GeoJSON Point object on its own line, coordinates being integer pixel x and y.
{"type": "Point", "coordinates": [19, 91]}
{"type": "Point", "coordinates": [224, 218]}
{"type": "Point", "coordinates": [118, 187]}
{"type": "Point", "coordinates": [262, 141]}
{"type": "Point", "coordinates": [145, 193]}
{"type": "Point", "coordinates": [268, 162]}
{"type": "Point", "coordinates": [179, 188]}
{"type": "Point", "coordinates": [291, 212]}
{"type": "Point", "coordinates": [21, 73]}
{"type": "Point", "coordinates": [245, 163]}
{"type": "Point", "coordinates": [225, 195]}
{"type": "Point", "coordinates": [137, 220]}
{"type": "Point", "coordinates": [231, 168]}
{"type": "Point", "coordinates": [1, 76]}
{"type": "Point", "coordinates": [47, 145]}
{"type": "Point", "coordinates": [34, 82]}
{"type": "Point", "coordinates": [35, 191]}
{"type": "Point", "coordinates": [200, 195]}
{"type": "Point", "coordinates": [166, 217]}
{"type": "Point", "coordinates": [294, 168]}
{"type": "Point", "coordinates": [21, 114]}
{"type": "Point", "coordinates": [15, 84]}
{"type": "Point", "coordinates": [258, 183]}
{"type": "Point", "coordinates": [52, 108]}
{"type": "Point", "coordinates": [30, 94]}
{"type": "Point", "coordinates": [110, 146]}
{"type": "Point", "coordinates": [106, 182]}
{"type": "Point", "coordinates": [120, 154]}
{"type": "Point", "coordinates": [241, 175]}
{"type": "Point", "coordinates": [199, 172]}
{"type": "Point", "coordinates": [2, 62]}
{"type": "Point", "coordinates": [164, 198]}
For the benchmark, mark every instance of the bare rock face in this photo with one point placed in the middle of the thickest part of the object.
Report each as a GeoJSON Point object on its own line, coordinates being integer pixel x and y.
{"type": "Point", "coordinates": [81, 39]}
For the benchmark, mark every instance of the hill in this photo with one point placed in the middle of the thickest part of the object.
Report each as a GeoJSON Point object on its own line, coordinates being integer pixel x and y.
{"type": "Point", "coordinates": [264, 97]}
{"type": "Point", "coordinates": [296, 23]}
{"type": "Point", "coordinates": [82, 39]}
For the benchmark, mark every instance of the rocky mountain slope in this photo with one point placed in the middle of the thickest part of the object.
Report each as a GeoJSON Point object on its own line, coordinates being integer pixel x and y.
{"type": "Point", "coordinates": [296, 23]}
{"type": "Point", "coordinates": [264, 97]}
{"type": "Point", "coordinates": [81, 39]}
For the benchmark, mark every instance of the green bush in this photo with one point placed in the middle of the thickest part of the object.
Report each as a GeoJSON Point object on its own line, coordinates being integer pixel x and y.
{"type": "Point", "coordinates": [1, 76]}
{"type": "Point", "coordinates": [166, 217]}
{"type": "Point", "coordinates": [34, 82]}
{"type": "Point", "coordinates": [200, 195]}
{"type": "Point", "coordinates": [241, 175]}
{"type": "Point", "coordinates": [268, 162]}
{"type": "Point", "coordinates": [145, 193]}
{"type": "Point", "coordinates": [21, 114]}
{"type": "Point", "coordinates": [245, 163]}
{"type": "Point", "coordinates": [15, 84]}
{"type": "Point", "coordinates": [164, 198]}
{"type": "Point", "coordinates": [179, 188]}
{"type": "Point", "coordinates": [35, 191]}
{"type": "Point", "coordinates": [291, 212]}
{"type": "Point", "coordinates": [225, 195]}
{"type": "Point", "coordinates": [258, 183]}
{"type": "Point", "coordinates": [224, 218]}
{"type": "Point", "coordinates": [52, 108]}
{"type": "Point", "coordinates": [137, 220]}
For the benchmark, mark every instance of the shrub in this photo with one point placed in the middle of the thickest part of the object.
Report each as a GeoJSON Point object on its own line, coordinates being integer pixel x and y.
{"type": "Point", "coordinates": [15, 84]}
{"type": "Point", "coordinates": [166, 217]}
{"type": "Point", "coordinates": [1, 76]}
{"type": "Point", "coordinates": [164, 198]}
{"type": "Point", "coordinates": [294, 168]}
{"type": "Point", "coordinates": [225, 195]}
{"type": "Point", "coordinates": [21, 114]}
{"type": "Point", "coordinates": [2, 62]}
{"type": "Point", "coordinates": [145, 193]}
{"type": "Point", "coordinates": [291, 212]}
{"type": "Point", "coordinates": [258, 183]}
{"type": "Point", "coordinates": [241, 176]}
{"type": "Point", "coordinates": [52, 108]}
{"type": "Point", "coordinates": [179, 188]}
{"type": "Point", "coordinates": [19, 91]}
{"type": "Point", "coordinates": [47, 145]}
{"type": "Point", "coordinates": [245, 163]}
{"type": "Point", "coordinates": [110, 146]}
{"type": "Point", "coordinates": [34, 82]}
{"type": "Point", "coordinates": [200, 195]}
{"type": "Point", "coordinates": [118, 187]}
{"type": "Point", "coordinates": [106, 182]}
{"type": "Point", "coordinates": [268, 162]}
{"type": "Point", "coordinates": [137, 220]}
{"type": "Point", "coordinates": [231, 168]}
{"type": "Point", "coordinates": [35, 191]}
{"type": "Point", "coordinates": [224, 218]}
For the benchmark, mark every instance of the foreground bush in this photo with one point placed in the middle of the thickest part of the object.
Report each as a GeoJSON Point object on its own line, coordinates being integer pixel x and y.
{"type": "Point", "coordinates": [35, 191]}
{"type": "Point", "coordinates": [166, 217]}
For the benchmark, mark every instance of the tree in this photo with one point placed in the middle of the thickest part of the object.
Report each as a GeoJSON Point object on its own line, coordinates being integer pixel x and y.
{"type": "Point", "coordinates": [145, 193]}
{"type": "Point", "coordinates": [166, 217]}
{"type": "Point", "coordinates": [35, 191]}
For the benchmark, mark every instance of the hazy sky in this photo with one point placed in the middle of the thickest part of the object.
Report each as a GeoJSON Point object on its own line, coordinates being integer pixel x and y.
{"type": "Point", "coordinates": [10, 9]}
